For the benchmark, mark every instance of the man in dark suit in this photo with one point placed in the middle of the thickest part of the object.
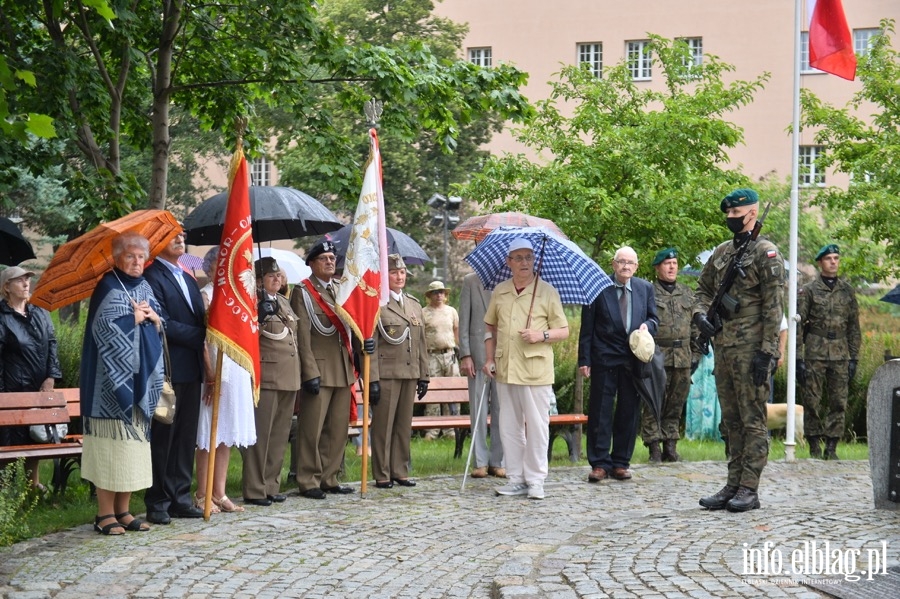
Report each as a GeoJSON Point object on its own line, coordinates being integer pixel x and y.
{"type": "Point", "coordinates": [172, 445]}
{"type": "Point", "coordinates": [604, 355]}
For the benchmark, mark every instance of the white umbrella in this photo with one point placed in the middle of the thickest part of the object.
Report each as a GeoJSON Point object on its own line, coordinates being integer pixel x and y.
{"type": "Point", "coordinates": [292, 264]}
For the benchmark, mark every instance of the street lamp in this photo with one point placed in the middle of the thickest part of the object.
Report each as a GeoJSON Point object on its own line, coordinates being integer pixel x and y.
{"type": "Point", "coordinates": [446, 216]}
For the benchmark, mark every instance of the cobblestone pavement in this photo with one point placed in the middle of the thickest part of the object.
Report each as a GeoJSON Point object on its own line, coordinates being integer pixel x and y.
{"type": "Point", "coordinates": [643, 538]}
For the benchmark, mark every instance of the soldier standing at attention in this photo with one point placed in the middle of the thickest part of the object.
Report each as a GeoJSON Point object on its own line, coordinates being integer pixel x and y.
{"type": "Point", "coordinates": [746, 347]}
{"type": "Point", "coordinates": [674, 307]}
{"type": "Point", "coordinates": [829, 317]}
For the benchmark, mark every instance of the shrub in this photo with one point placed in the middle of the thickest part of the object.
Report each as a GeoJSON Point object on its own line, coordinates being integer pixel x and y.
{"type": "Point", "coordinates": [17, 500]}
{"type": "Point", "coordinates": [69, 338]}
{"type": "Point", "coordinates": [565, 365]}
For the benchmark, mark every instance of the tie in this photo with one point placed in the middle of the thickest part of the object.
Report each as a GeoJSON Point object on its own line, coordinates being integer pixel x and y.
{"type": "Point", "coordinates": [623, 306]}
{"type": "Point", "coordinates": [330, 289]}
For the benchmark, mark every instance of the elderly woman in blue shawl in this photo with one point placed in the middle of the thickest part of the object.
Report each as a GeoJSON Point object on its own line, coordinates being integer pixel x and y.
{"type": "Point", "coordinates": [121, 380]}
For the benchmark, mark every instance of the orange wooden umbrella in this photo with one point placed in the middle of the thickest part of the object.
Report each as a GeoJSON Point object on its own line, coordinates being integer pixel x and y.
{"type": "Point", "coordinates": [77, 265]}
{"type": "Point", "coordinates": [477, 227]}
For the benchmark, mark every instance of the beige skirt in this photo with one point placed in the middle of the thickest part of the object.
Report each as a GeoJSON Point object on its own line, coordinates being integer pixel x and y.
{"type": "Point", "coordinates": [119, 465]}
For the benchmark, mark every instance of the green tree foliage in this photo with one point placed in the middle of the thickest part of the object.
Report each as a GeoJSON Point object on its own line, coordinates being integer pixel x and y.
{"type": "Point", "coordinates": [631, 165]}
{"type": "Point", "coordinates": [870, 153]}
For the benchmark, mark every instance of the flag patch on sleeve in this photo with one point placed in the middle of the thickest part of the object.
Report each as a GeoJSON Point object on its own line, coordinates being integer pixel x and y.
{"type": "Point", "coordinates": [771, 254]}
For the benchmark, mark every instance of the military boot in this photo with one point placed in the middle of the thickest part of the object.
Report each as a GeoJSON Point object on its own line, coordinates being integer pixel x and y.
{"type": "Point", "coordinates": [720, 499]}
{"type": "Point", "coordinates": [669, 453]}
{"type": "Point", "coordinates": [831, 448]}
{"type": "Point", "coordinates": [815, 451]}
{"type": "Point", "coordinates": [655, 454]}
{"type": "Point", "coordinates": [744, 500]}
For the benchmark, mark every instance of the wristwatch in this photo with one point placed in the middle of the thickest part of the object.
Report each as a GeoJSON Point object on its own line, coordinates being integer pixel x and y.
{"type": "Point", "coordinates": [546, 335]}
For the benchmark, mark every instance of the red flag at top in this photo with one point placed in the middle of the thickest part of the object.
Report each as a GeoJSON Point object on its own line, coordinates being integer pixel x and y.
{"type": "Point", "coordinates": [233, 324]}
{"type": "Point", "coordinates": [365, 267]}
{"type": "Point", "coordinates": [830, 43]}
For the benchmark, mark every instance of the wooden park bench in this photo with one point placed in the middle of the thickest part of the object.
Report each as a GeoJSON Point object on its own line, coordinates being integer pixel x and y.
{"type": "Point", "coordinates": [455, 389]}
{"type": "Point", "coordinates": [47, 408]}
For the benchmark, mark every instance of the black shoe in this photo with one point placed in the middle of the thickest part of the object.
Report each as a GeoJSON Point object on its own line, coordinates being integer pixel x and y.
{"type": "Point", "coordinates": [745, 500]}
{"type": "Point", "coordinates": [158, 517]}
{"type": "Point", "coordinates": [313, 493]}
{"type": "Point", "coordinates": [338, 490]}
{"type": "Point", "coordinates": [261, 502]}
{"type": "Point", "coordinates": [720, 499]}
{"type": "Point", "coordinates": [187, 512]}
{"type": "Point", "coordinates": [404, 482]}
{"type": "Point", "coordinates": [384, 485]}
{"type": "Point", "coordinates": [277, 498]}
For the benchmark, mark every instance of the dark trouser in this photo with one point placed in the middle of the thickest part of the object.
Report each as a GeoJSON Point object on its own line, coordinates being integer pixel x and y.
{"type": "Point", "coordinates": [613, 418]}
{"type": "Point", "coordinates": [825, 397]}
{"type": "Point", "coordinates": [264, 459]}
{"type": "Point", "coordinates": [172, 453]}
{"type": "Point", "coordinates": [678, 385]}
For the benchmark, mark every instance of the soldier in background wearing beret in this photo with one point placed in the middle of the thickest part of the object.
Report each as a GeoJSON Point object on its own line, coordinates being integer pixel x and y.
{"type": "Point", "coordinates": [674, 307]}
{"type": "Point", "coordinates": [829, 319]}
{"type": "Point", "coordinates": [746, 347]}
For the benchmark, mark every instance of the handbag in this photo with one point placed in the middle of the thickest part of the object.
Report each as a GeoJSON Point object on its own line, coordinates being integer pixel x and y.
{"type": "Point", "coordinates": [41, 433]}
{"type": "Point", "coordinates": [165, 408]}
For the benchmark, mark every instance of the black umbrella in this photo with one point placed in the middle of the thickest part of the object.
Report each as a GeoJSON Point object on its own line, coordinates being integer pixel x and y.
{"type": "Point", "coordinates": [398, 243]}
{"type": "Point", "coordinates": [893, 296]}
{"type": "Point", "coordinates": [14, 248]}
{"type": "Point", "coordinates": [650, 382]}
{"type": "Point", "coordinates": [278, 213]}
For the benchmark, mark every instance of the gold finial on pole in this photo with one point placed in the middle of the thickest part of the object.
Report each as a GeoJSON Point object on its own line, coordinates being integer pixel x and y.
{"type": "Point", "coordinates": [373, 109]}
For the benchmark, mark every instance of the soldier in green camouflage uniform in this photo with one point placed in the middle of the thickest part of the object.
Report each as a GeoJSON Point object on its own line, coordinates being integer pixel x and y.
{"type": "Point", "coordinates": [829, 320]}
{"type": "Point", "coordinates": [746, 347]}
{"type": "Point", "coordinates": [674, 305]}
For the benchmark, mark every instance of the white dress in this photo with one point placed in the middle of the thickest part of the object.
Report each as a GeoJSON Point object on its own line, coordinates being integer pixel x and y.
{"type": "Point", "coordinates": [236, 425]}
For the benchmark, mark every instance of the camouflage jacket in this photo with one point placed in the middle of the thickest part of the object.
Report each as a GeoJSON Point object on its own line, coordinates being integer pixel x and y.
{"type": "Point", "coordinates": [829, 320]}
{"type": "Point", "coordinates": [760, 293]}
{"type": "Point", "coordinates": [676, 334]}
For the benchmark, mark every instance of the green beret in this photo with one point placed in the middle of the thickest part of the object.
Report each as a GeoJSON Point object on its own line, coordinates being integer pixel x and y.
{"type": "Point", "coordinates": [663, 255]}
{"type": "Point", "coordinates": [831, 248]}
{"type": "Point", "coordinates": [739, 197]}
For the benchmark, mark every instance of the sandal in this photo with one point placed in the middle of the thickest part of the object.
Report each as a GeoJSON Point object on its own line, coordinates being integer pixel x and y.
{"type": "Point", "coordinates": [226, 505]}
{"type": "Point", "coordinates": [109, 528]}
{"type": "Point", "coordinates": [134, 525]}
{"type": "Point", "coordinates": [200, 503]}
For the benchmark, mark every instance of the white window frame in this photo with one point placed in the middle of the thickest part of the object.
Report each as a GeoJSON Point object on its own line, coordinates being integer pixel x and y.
{"type": "Point", "coordinates": [591, 54]}
{"type": "Point", "coordinates": [810, 175]}
{"type": "Point", "coordinates": [482, 56]}
{"type": "Point", "coordinates": [862, 40]}
{"type": "Point", "coordinates": [639, 59]}
{"type": "Point", "coordinates": [261, 172]}
{"type": "Point", "coordinates": [695, 45]}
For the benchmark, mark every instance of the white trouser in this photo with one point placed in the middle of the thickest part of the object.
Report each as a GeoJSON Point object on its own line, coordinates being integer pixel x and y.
{"type": "Point", "coordinates": [525, 451]}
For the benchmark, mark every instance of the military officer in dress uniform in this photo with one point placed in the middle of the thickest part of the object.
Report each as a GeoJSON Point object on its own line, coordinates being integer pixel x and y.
{"type": "Point", "coordinates": [674, 307]}
{"type": "Point", "coordinates": [324, 410]}
{"type": "Point", "coordinates": [280, 348]}
{"type": "Point", "coordinates": [746, 347]}
{"type": "Point", "coordinates": [829, 319]}
{"type": "Point", "coordinates": [402, 370]}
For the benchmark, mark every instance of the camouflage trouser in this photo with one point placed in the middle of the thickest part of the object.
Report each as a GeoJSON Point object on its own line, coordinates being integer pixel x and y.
{"type": "Point", "coordinates": [442, 365]}
{"type": "Point", "coordinates": [824, 416]}
{"type": "Point", "coordinates": [743, 415]}
{"type": "Point", "coordinates": [678, 385]}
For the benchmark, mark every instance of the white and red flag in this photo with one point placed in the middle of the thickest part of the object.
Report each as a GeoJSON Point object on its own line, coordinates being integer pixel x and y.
{"type": "Point", "coordinates": [830, 42]}
{"type": "Point", "coordinates": [233, 325]}
{"type": "Point", "coordinates": [364, 286]}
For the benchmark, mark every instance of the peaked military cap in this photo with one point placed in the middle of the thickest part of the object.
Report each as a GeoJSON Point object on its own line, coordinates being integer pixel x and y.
{"type": "Point", "coordinates": [323, 247]}
{"type": "Point", "coordinates": [831, 248]}
{"type": "Point", "coordinates": [395, 262]}
{"type": "Point", "coordinates": [739, 197]}
{"type": "Point", "coordinates": [663, 255]}
{"type": "Point", "coordinates": [266, 265]}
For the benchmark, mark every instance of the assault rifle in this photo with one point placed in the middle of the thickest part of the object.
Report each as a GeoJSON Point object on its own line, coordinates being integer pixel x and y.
{"type": "Point", "coordinates": [722, 302]}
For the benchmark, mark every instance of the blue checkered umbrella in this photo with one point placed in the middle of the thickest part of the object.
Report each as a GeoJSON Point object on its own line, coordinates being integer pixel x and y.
{"type": "Point", "coordinates": [562, 264]}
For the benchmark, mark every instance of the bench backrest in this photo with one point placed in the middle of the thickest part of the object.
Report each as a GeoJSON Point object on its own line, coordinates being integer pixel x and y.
{"type": "Point", "coordinates": [35, 407]}
{"type": "Point", "coordinates": [441, 389]}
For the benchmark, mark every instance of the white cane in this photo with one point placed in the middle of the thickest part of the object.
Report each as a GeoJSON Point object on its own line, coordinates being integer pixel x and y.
{"type": "Point", "coordinates": [487, 383]}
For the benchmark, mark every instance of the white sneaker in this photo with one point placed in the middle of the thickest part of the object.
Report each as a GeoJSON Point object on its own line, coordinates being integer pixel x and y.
{"type": "Point", "coordinates": [512, 489]}
{"type": "Point", "coordinates": [535, 491]}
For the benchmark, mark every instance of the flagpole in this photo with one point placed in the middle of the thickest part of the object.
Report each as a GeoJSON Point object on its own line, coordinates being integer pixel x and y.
{"type": "Point", "coordinates": [364, 469]}
{"type": "Point", "coordinates": [791, 357]}
{"type": "Point", "coordinates": [213, 430]}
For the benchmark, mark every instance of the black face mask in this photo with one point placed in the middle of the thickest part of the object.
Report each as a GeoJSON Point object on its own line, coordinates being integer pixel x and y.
{"type": "Point", "coordinates": [735, 224]}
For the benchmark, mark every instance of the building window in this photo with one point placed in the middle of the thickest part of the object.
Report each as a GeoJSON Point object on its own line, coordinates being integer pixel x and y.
{"type": "Point", "coordinates": [639, 59]}
{"type": "Point", "coordinates": [695, 45]}
{"type": "Point", "coordinates": [804, 54]}
{"type": "Point", "coordinates": [480, 56]}
{"type": "Point", "coordinates": [260, 171]}
{"type": "Point", "coordinates": [862, 40]}
{"type": "Point", "coordinates": [592, 56]}
{"type": "Point", "coordinates": [810, 174]}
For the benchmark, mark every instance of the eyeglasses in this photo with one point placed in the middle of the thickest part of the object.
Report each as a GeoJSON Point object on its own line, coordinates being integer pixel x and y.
{"type": "Point", "coordinates": [521, 259]}
{"type": "Point", "coordinates": [625, 262]}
